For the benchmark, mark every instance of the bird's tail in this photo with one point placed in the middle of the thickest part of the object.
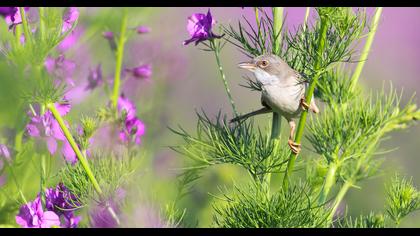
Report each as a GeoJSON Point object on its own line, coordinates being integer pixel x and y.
{"type": "Point", "coordinates": [246, 116]}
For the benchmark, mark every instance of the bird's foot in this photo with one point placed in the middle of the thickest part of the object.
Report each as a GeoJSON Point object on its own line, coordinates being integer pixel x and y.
{"type": "Point", "coordinates": [303, 103]}
{"type": "Point", "coordinates": [295, 147]}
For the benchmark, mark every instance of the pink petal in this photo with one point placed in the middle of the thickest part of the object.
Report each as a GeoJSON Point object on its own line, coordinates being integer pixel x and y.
{"type": "Point", "coordinates": [52, 145]}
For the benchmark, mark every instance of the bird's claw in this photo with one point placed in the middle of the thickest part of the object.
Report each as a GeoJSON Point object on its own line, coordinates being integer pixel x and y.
{"type": "Point", "coordinates": [303, 103]}
{"type": "Point", "coordinates": [295, 147]}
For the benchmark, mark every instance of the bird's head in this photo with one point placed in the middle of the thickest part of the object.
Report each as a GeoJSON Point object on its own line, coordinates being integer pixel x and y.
{"type": "Point", "coordinates": [267, 68]}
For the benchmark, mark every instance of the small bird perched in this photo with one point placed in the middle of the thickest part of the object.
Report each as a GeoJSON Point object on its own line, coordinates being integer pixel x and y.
{"type": "Point", "coordinates": [283, 91]}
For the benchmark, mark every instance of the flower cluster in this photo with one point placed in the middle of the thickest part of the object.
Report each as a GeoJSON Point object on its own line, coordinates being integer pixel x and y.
{"type": "Point", "coordinates": [58, 212]}
{"type": "Point", "coordinates": [133, 127]}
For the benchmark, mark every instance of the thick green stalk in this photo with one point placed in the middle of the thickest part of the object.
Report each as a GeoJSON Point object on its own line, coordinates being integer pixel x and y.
{"type": "Point", "coordinates": [74, 146]}
{"type": "Point", "coordinates": [277, 25]}
{"type": "Point", "coordinates": [18, 33]}
{"type": "Point", "coordinates": [328, 183]}
{"type": "Point", "coordinates": [25, 25]}
{"type": "Point", "coordinates": [222, 76]}
{"type": "Point", "coordinates": [119, 60]}
{"type": "Point", "coordinates": [277, 21]}
{"type": "Point", "coordinates": [302, 120]}
{"type": "Point", "coordinates": [366, 49]}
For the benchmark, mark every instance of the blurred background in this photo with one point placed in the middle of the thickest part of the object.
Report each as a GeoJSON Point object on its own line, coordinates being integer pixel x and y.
{"type": "Point", "coordinates": [185, 79]}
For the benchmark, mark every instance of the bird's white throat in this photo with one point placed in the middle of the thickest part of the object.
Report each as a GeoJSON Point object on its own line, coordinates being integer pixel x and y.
{"type": "Point", "coordinates": [265, 78]}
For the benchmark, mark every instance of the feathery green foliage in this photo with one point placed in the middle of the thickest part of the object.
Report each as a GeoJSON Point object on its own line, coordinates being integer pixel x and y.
{"type": "Point", "coordinates": [111, 173]}
{"type": "Point", "coordinates": [217, 142]}
{"type": "Point", "coordinates": [402, 199]}
{"type": "Point", "coordinates": [250, 207]}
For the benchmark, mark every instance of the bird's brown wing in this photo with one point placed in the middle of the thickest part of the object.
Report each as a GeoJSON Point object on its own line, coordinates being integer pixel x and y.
{"type": "Point", "coordinates": [300, 78]}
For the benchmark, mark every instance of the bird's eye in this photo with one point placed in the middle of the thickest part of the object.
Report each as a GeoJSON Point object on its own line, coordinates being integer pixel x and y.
{"type": "Point", "coordinates": [263, 63]}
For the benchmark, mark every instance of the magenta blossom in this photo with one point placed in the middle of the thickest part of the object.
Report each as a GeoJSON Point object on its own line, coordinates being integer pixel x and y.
{"type": "Point", "coordinates": [94, 78]}
{"type": "Point", "coordinates": [63, 203]}
{"type": "Point", "coordinates": [109, 35]}
{"type": "Point", "coordinates": [61, 68]}
{"type": "Point", "coordinates": [31, 215]}
{"type": "Point", "coordinates": [199, 27]}
{"type": "Point", "coordinates": [4, 154]}
{"type": "Point", "coordinates": [100, 216]}
{"type": "Point", "coordinates": [141, 72]}
{"type": "Point", "coordinates": [70, 16]}
{"type": "Point", "coordinates": [133, 128]}
{"type": "Point", "coordinates": [70, 40]}
{"type": "Point", "coordinates": [12, 15]}
{"type": "Point", "coordinates": [143, 29]}
{"type": "Point", "coordinates": [8, 11]}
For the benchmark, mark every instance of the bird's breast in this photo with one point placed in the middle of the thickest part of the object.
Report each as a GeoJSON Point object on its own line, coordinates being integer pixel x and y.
{"type": "Point", "coordinates": [284, 99]}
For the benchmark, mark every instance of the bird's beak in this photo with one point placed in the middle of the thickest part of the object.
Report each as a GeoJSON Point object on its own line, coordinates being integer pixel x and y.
{"type": "Point", "coordinates": [247, 65]}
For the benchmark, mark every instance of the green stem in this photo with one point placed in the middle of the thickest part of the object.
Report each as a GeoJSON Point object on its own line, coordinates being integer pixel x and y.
{"type": "Point", "coordinates": [328, 183]}
{"type": "Point", "coordinates": [306, 17]}
{"type": "Point", "coordinates": [18, 33]}
{"type": "Point", "coordinates": [119, 60]}
{"type": "Point", "coordinates": [278, 21]}
{"type": "Point", "coordinates": [42, 183]}
{"type": "Point", "coordinates": [41, 22]}
{"type": "Point", "coordinates": [366, 49]}
{"type": "Point", "coordinates": [277, 25]}
{"type": "Point", "coordinates": [257, 18]}
{"type": "Point", "coordinates": [339, 198]}
{"type": "Point", "coordinates": [302, 120]}
{"type": "Point", "coordinates": [80, 156]}
{"type": "Point", "coordinates": [17, 184]}
{"type": "Point", "coordinates": [25, 25]}
{"type": "Point", "coordinates": [76, 149]}
{"type": "Point", "coordinates": [222, 76]}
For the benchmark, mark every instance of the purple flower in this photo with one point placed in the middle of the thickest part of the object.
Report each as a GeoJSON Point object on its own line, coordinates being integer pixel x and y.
{"type": "Point", "coordinates": [199, 27]}
{"type": "Point", "coordinates": [100, 216]}
{"type": "Point", "coordinates": [109, 35]}
{"type": "Point", "coordinates": [12, 16]}
{"type": "Point", "coordinates": [63, 203]}
{"type": "Point", "coordinates": [129, 107]}
{"type": "Point", "coordinates": [31, 215]}
{"type": "Point", "coordinates": [133, 128]}
{"type": "Point", "coordinates": [4, 152]}
{"type": "Point", "coordinates": [94, 78]}
{"type": "Point", "coordinates": [8, 11]}
{"type": "Point", "coordinates": [141, 72]}
{"type": "Point", "coordinates": [47, 128]}
{"type": "Point", "coordinates": [70, 16]}
{"type": "Point", "coordinates": [143, 29]}
{"type": "Point", "coordinates": [61, 68]}
{"type": "Point", "coordinates": [70, 40]}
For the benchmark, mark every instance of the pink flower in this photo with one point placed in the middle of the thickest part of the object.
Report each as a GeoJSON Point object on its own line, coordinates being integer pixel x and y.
{"type": "Point", "coordinates": [199, 27]}
{"type": "Point", "coordinates": [31, 215]}
{"type": "Point", "coordinates": [133, 128]}
{"type": "Point", "coordinates": [141, 72]}
{"type": "Point", "coordinates": [47, 128]}
{"type": "Point", "coordinates": [70, 16]}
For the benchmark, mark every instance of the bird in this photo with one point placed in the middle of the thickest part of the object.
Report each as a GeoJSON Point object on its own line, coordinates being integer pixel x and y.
{"type": "Point", "coordinates": [282, 91]}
